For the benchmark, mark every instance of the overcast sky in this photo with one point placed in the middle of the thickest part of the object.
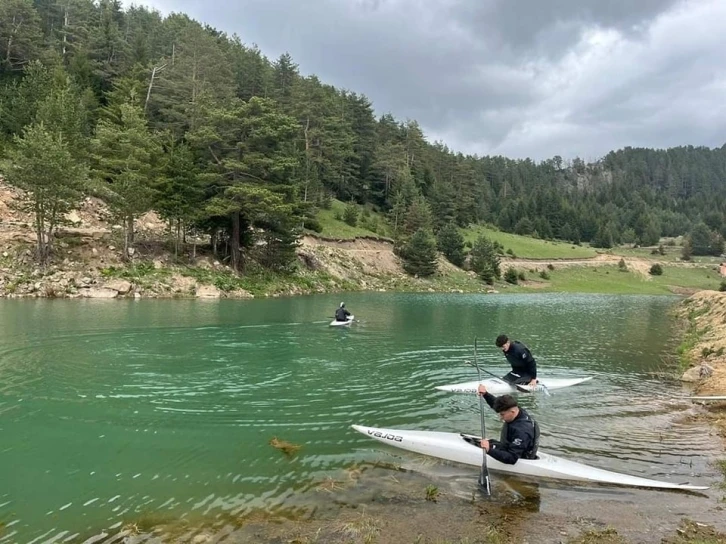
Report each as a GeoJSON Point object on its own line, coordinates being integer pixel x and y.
{"type": "Point", "coordinates": [520, 78]}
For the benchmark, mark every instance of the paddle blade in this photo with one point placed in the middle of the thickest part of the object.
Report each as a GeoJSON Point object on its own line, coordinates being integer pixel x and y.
{"type": "Point", "coordinates": [485, 485]}
{"type": "Point", "coordinates": [533, 389]}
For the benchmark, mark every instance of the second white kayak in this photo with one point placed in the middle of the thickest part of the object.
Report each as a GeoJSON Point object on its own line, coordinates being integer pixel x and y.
{"type": "Point", "coordinates": [497, 386]}
{"type": "Point", "coordinates": [335, 323]}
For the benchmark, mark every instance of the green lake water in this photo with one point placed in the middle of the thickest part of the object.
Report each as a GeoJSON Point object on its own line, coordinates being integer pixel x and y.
{"type": "Point", "coordinates": [113, 410]}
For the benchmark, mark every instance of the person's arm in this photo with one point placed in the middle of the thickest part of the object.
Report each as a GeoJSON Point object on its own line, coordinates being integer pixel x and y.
{"type": "Point", "coordinates": [522, 353]}
{"type": "Point", "coordinates": [531, 366]}
{"type": "Point", "coordinates": [487, 396]}
{"type": "Point", "coordinates": [510, 453]}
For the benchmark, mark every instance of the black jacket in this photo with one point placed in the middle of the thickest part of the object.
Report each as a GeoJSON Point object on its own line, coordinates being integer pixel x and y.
{"type": "Point", "coordinates": [341, 314]}
{"type": "Point", "coordinates": [519, 356]}
{"type": "Point", "coordinates": [518, 439]}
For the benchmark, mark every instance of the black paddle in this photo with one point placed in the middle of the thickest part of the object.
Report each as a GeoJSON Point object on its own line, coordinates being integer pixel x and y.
{"type": "Point", "coordinates": [484, 483]}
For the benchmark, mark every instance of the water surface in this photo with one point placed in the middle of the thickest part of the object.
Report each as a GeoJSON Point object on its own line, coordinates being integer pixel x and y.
{"type": "Point", "coordinates": [111, 410]}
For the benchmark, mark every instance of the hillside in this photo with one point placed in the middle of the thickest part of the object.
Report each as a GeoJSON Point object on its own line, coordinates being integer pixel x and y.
{"type": "Point", "coordinates": [266, 141]}
{"type": "Point", "coordinates": [89, 263]}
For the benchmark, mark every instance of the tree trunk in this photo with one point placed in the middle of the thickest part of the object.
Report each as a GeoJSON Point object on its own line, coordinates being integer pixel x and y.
{"type": "Point", "coordinates": [128, 235]}
{"type": "Point", "coordinates": [130, 228]}
{"type": "Point", "coordinates": [234, 242]}
{"type": "Point", "coordinates": [40, 232]}
{"type": "Point", "coordinates": [65, 33]}
{"type": "Point", "coordinates": [176, 239]}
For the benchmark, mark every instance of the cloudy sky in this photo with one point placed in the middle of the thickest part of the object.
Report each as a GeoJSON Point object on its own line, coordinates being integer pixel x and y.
{"type": "Point", "coordinates": [521, 78]}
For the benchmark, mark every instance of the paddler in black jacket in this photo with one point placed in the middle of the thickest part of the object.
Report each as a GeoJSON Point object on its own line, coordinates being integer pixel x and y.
{"type": "Point", "coordinates": [524, 367]}
{"type": "Point", "coordinates": [341, 314]}
{"type": "Point", "coordinates": [519, 438]}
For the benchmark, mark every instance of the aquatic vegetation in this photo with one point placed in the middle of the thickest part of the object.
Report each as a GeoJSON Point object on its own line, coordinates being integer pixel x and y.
{"type": "Point", "coordinates": [605, 536]}
{"type": "Point", "coordinates": [287, 448]}
{"type": "Point", "coordinates": [364, 528]}
{"type": "Point", "coordinates": [330, 485]}
{"type": "Point", "coordinates": [432, 493]}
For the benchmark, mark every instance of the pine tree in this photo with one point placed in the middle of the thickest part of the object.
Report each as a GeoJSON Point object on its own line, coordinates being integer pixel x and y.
{"type": "Point", "coordinates": [252, 148]}
{"type": "Point", "coordinates": [179, 193]}
{"type": "Point", "coordinates": [20, 34]}
{"type": "Point", "coordinates": [125, 161]}
{"type": "Point", "coordinates": [419, 254]}
{"type": "Point", "coordinates": [53, 186]}
{"type": "Point", "coordinates": [451, 244]}
{"type": "Point", "coordinates": [484, 260]}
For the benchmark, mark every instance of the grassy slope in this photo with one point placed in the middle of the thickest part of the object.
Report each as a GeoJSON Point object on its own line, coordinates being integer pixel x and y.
{"type": "Point", "coordinates": [672, 254]}
{"type": "Point", "coordinates": [577, 279]}
{"type": "Point", "coordinates": [609, 279]}
{"type": "Point", "coordinates": [530, 248]}
{"type": "Point", "coordinates": [333, 228]}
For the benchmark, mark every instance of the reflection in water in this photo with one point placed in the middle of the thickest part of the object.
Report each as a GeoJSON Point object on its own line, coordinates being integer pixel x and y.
{"type": "Point", "coordinates": [520, 494]}
{"type": "Point", "coordinates": [111, 411]}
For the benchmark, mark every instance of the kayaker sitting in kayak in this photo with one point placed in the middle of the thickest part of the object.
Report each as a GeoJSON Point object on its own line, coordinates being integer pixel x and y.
{"type": "Point", "coordinates": [524, 366]}
{"type": "Point", "coordinates": [341, 314]}
{"type": "Point", "coordinates": [519, 438]}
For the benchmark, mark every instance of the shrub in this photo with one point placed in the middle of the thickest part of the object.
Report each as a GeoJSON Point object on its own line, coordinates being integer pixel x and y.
{"type": "Point", "coordinates": [544, 275]}
{"type": "Point", "coordinates": [622, 266]}
{"type": "Point", "coordinates": [510, 276]}
{"type": "Point", "coordinates": [722, 287]}
{"type": "Point", "coordinates": [350, 215]}
{"type": "Point", "coordinates": [656, 270]}
{"type": "Point", "coordinates": [326, 201]}
{"type": "Point", "coordinates": [550, 266]}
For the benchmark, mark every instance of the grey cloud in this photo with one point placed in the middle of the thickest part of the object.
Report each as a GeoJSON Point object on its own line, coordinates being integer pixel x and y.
{"type": "Point", "coordinates": [554, 24]}
{"type": "Point", "coordinates": [522, 78]}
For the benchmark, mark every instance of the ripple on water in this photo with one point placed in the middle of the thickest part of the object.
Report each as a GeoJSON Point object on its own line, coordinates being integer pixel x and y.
{"type": "Point", "coordinates": [116, 425]}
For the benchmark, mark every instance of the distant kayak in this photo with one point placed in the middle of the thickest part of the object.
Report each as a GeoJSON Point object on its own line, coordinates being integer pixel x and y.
{"type": "Point", "coordinates": [463, 448]}
{"type": "Point", "coordinates": [499, 387]}
{"type": "Point", "coordinates": [714, 398]}
{"type": "Point", "coordinates": [335, 323]}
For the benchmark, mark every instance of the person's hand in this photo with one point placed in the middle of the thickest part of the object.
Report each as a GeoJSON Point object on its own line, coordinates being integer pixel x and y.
{"type": "Point", "coordinates": [533, 382]}
{"type": "Point", "coordinates": [482, 389]}
{"type": "Point", "coordinates": [485, 445]}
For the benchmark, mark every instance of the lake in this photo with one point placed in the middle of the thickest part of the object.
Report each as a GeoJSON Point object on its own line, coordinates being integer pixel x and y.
{"type": "Point", "coordinates": [111, 410]}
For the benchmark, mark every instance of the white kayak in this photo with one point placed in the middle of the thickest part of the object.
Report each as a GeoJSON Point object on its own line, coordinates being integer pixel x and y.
{"type": "Point", "coordinates": [455, 447]}
{"type": "Point", "coordinates": [711, 398]}
{"type": "Point", "coordinates": [335, 323]}
{"type": "Point", "coordinates": [497, 386]}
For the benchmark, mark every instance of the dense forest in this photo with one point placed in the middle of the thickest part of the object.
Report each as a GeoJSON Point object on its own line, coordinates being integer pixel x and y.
{"type": "Point", "coordinates": [164, 113]}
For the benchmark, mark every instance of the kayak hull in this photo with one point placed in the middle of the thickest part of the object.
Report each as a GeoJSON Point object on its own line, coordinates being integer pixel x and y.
{"type": "Point", "coordinates": [335, 323]}
{"type": "Point", "coordinates": [497, 386]}
{"type": "Point", "coordinates": [454, 447]}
